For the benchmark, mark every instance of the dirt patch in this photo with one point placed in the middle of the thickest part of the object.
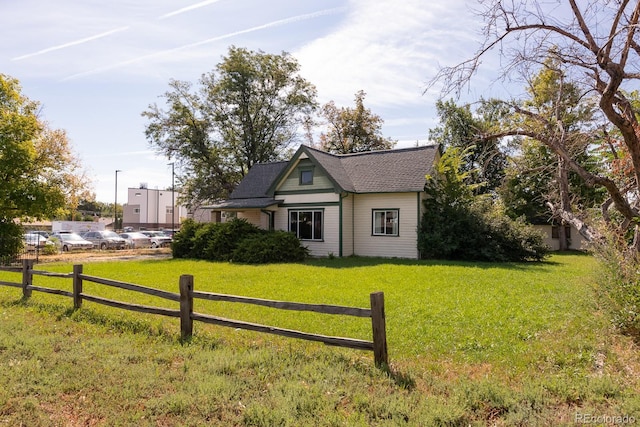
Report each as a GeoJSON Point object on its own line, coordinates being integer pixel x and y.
{"type": "Point", "coordinates": [107, 255]}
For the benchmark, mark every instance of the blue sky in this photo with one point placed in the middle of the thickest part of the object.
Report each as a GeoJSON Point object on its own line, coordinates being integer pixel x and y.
{"type": "Point", "coordinates": [95, 66]}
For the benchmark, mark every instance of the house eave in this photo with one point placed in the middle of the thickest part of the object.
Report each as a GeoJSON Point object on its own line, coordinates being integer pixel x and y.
{"type": "Point", "coordinates": [238, 205]}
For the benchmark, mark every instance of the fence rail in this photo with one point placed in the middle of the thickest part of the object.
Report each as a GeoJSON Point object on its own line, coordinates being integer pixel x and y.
{"type": "Point", "coordinates": [187, 316]}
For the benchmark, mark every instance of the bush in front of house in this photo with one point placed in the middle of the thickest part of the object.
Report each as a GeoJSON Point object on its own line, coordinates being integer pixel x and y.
{"type": "Point", "coordinates": [182, 245]}
{"type": "Point", "coordinates": [459, 225]}
{"type": "Point", "coordinates": [273, 246]}
{"type": "Point", "coordinates": [222, 238]}
{"type": "Point", "coordinates": [226, 242]}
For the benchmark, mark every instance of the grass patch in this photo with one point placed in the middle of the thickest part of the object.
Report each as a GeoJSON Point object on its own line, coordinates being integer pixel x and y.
{"type": "Point", "coordinates": [469, 343]}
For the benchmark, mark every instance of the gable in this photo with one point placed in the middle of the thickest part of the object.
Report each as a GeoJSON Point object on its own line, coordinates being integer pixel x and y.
{"type": "Point", "coordinates": [305, 176]}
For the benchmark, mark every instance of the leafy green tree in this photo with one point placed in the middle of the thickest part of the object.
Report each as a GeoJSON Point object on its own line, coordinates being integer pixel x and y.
{"type": "Point", "coordinates": [540, 184]}
{"type": "Point", "coordinates": [597, 46]}
{"type": "Point", "coordinates": [459, 127]}
{"type": "Point", "coordinates": [29, 187]}
{"type": "Point", "coordinates": [456, 224]}
{"type": "Point", "coordinates": [559, 116]}
{"type": "Point", "coordinates": [352, 130]}
{"type": "Point", "coordinates": [246, 111]}
{"type": "Point", "coordinates": [528, 182]}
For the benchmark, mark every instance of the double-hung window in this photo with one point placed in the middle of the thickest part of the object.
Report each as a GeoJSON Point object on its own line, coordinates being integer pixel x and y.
{"type": "Point", "coordinates": [385, 222]}
{"type": "Point", "coordinates": [306, 224]}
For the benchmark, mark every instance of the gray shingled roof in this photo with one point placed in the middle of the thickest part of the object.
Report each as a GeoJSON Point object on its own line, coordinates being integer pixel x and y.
{"type": "Point", "coordinates": [398, 170]}
{"type": "Point", "coordinates": [256, 183]}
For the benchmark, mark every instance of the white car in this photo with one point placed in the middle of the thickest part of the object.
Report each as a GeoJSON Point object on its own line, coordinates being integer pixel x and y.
{"type": "Point", "coordinates": [33, 241]}
{"type": "Point", "coordinates": [70, 241]}
{"type": "Point", "coordinates": [158, 239]}
{"type": "Point", "coordinates": [136, 240]}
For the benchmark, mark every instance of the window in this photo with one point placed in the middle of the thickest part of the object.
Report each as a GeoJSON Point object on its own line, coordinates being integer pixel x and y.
{"type": "Point", "coordinates": [555, 232]}
{"type": "Point", "coordinates": [169, 210]}
{"type": "Point", "coordinates": [307, 225]}
{"type": "Point", "coordinates": [306, 176]}
{"type": "Point", "coordinates": [136, 210]}
{"type": "Point", "coordinates": [385, 222]}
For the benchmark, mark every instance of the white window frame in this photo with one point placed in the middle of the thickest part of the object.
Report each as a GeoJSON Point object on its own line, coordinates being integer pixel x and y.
{"type": "Point", "coordinates": [385, 222]}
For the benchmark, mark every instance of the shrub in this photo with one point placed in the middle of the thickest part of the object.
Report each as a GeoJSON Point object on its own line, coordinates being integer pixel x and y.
{"type": "Point", "coordinates": [10, 240]}
{"type": "Point", "coordinates": [183, 241]}
{"type": "Point", "coordinates": [274, 246]}
{"type": "Point", "coordinates": [460, 226]}
{"type": "Point", "coordinates": [619, 285]}
{"type": "Point", "coordinates": [236, 240]}
{"type": "Point", "coordinates": [223, 238]}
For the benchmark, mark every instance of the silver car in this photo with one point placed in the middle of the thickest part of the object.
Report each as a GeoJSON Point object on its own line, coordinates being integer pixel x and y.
{"type": "Point", "coordinates": [70, 241]}
{"type": "Point", "coordinates": [158, 239]}
{"type": "Point", "coordinates": [105, 239]}
{"type": "Point", "coordinates": [136, 240]}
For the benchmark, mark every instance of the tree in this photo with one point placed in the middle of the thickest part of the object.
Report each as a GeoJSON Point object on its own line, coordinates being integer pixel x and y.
{"type": "Point", "coordinates": [352, 130]}
{"type": "Point", "coordinates": [555, 113]}
{"type": "Point", "coordinates": [456, 224]}
{"type": "Point", "coordinates": [597, 45]}
{"type": "Point", "coordinates": [61, 167]}
{"type": "Point", "coordinates": [34, 169]}
{"type": "Point", "coordinates": [246, 111]}
{"type": "Point", "coordinates": [459, 127]}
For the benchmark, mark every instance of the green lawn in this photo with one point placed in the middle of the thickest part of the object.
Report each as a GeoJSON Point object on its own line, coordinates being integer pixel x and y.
{"type": "Point", "coordinates": [469, 344]}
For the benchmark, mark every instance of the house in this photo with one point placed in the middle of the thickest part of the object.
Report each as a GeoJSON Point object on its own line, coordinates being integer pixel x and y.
{"type": "Point", "coordinates": [575, 241]}
{"type": "Point", "coordinates": [365, 204]}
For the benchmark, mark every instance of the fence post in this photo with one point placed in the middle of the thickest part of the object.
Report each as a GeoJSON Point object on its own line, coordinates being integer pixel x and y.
{"type": "Point", "coordinates": [27, 277]}
{"type": "Point", "coordinates": [77, 286]}
{"type": "Point", "coordinates": [186, 306]}
{"type": "Point", "coordinates": [378, 324]}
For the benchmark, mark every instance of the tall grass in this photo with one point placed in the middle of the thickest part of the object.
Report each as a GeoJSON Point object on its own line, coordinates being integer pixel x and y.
{"type": "Point", "coordinates": [470, 344]}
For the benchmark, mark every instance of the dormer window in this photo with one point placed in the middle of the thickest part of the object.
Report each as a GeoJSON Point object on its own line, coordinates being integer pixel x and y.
{"type": "Point", "coordinates": [306, 176]}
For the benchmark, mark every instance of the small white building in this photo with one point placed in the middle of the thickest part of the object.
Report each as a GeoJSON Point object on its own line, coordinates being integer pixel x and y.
{"type": "Point", "coordinates": [152, 209]}
{"type": "Point", "coordinates": [575, 241]}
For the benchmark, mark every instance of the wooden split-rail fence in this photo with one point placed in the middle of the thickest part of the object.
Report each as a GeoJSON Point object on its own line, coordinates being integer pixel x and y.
{"type": "Point", "coordinates": [187, 294]}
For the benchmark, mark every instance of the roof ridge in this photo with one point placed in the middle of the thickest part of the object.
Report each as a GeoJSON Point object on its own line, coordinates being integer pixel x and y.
{"type": "Point", "coordinates": [371, 152]}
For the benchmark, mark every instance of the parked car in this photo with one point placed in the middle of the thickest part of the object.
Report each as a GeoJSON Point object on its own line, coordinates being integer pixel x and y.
{"type": "Point", "coordinates": [105, 239]}
{"type": "Point", "coordinates": [40, 232]}
{"type": "Point", "coordinates": [158, 239]}
{"type": "Point", "coordinates": [71, 241]}
{"type": "Point", "coordinates": [136, 240]}
{"type": "Point", "coordinates": [33, 241]}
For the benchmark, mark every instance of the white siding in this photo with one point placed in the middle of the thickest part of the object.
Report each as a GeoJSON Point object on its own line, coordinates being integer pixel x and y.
{"type": "Point", "coordinates": [255, 217]}
{"type": "Point", "coordinates": [577, 242]}
{"type": "Point", "coordinates": [330, 243]}
{"type": "Point", "coordinates": [405, 245]}
{"type": "Point", "coordinates": [292, 181]}
{"type": "Point", "coordinates": [347, 225]}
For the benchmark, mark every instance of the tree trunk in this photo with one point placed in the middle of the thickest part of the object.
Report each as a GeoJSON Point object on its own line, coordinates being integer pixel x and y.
{"type": "Point", "coordinates": [565, 202]}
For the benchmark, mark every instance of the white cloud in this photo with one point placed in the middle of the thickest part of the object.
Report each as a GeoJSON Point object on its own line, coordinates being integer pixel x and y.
{"type": "Point", "coordinates": [386, 48]}
{"type": "Point", "coordinates": [188, 8]}
{"type": "Point", "coordinates": [168, 55]}
{"type": "Point", "coordinates": [72, 43]}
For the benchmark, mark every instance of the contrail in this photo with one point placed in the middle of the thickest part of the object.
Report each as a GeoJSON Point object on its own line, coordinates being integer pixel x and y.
{"type": "Point", "coordinates": [73, 43]}
{"type": "Point", "coordinates": [188, 8]}
{"type": "Point", "coordinates": [211, 40]}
